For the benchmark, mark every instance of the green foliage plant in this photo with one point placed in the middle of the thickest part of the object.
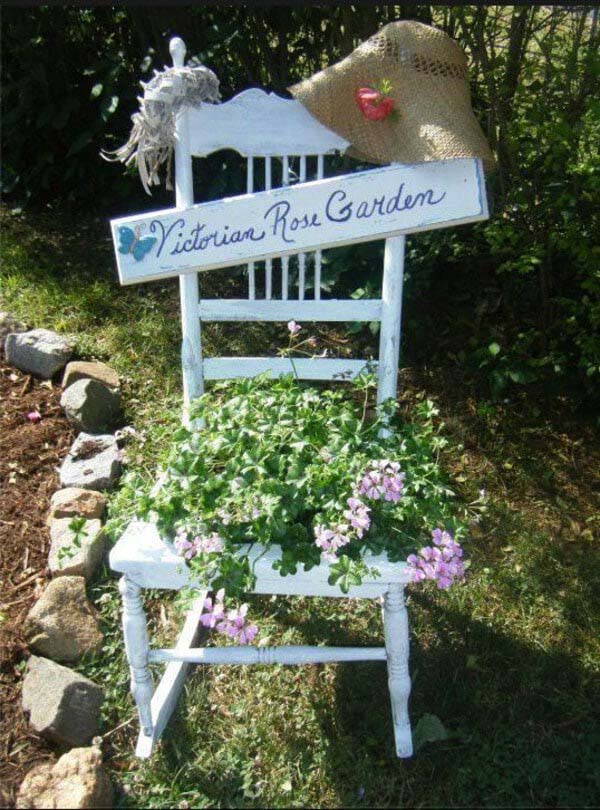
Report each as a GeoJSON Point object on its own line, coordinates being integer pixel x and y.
{"type": "Point", "coordinates": [77, 527]}
{"type": "Point", "coordinates": [316, 473]}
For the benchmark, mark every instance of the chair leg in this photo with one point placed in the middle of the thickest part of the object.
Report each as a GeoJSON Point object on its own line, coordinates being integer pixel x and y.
{"type": "Point", "coordinates": [171, 684]}
{"type": "Point", "coordinates": [395, 620]}
{"type": "Point", "coordinates": [136, 648]}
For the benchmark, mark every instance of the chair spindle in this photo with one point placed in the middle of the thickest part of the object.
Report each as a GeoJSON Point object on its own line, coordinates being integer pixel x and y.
{"type": "Point", "coordinates": [302, 256]}
{"type": "Point", "coordinates": [319, 253]}
{"type": "Point", "coordinates": [249, 190]}
{"type": "Point", "coordinates": [285, 260]}
{"type": "Point", "coordinates": [269, 262]}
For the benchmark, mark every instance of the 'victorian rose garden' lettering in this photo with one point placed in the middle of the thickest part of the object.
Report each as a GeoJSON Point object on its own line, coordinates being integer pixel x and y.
{"type": "Point", "coordinates": [359, 207]}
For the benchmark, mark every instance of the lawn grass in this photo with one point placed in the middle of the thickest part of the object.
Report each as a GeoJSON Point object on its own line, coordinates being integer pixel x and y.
{"type": "Point", "coordinates": [509, 662]}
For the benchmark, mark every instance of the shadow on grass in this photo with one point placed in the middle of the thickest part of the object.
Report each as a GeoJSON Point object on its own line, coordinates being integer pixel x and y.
{"type": "Point", "coordinates": [522, 721]}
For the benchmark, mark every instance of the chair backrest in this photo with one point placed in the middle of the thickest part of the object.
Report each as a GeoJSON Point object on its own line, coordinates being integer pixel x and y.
{"type": "Point", "coordinates": [282, 143]}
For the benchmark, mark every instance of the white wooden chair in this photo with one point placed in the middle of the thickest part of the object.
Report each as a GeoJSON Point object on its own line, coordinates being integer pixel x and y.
{"type": "Point", "coordinates": [261, 127]}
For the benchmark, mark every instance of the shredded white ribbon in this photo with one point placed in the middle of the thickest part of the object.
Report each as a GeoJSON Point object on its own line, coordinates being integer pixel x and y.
{"type": "Point", "coordinates": [152, 136]}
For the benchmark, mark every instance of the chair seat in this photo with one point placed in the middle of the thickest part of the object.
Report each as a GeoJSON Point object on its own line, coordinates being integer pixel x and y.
{"type": "Point", "coordinates": [151, 561]}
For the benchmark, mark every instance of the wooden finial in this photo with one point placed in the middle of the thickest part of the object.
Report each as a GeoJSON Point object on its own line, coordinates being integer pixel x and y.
{"type": "Point", "coordinates": [177, 50]}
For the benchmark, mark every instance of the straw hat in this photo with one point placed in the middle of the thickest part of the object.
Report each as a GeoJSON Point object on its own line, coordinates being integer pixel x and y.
{"type": "Point", "coordinates": [433, 119]}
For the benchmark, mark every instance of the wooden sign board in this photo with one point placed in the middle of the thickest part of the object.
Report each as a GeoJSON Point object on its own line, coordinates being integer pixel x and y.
{"type": "Point", "coordinates": [336, 211]}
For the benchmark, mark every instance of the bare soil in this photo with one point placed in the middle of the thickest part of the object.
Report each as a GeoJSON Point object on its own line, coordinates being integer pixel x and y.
{"type": "Point", "coordinates": [87, 449]}
{"type": "Point", "coordinates": [30, 454]}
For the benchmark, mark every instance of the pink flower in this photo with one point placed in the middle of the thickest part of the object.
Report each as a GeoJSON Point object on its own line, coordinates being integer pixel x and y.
{"type": "Point", "coordinates": [236, 620]}
{"type": "Point", "coordinates": [34, 416]}
{"type": "Point", "coordinates": [441, 538]}
{"type": "Point", "coordinates": [186, 548]}
{"type": "Point", "coordinates": [358, 516]}
{"type": "Point", "coordinates": [392, 487]}
{"type": "Point", "coordinates": [370, 486]}
{"type": "Point", "coordinates": [213, 612]}
{"type": "Point", "coordinates": [382, 480]}
{"type": "Point", "coordinates": [329, 540]}
{"type": "Point", "coordinates": [427, 569]}
{"type": "Point", "coordinates": [323, 536]}
{"type": "Point", "coordinates": [441, 562]}
{"type": "Point", "coordinates": [209, 545]}
{"type": "Point", "coordinates": [197, 545]}
{"type": "Point", "coordinates": [247, 634]}
{"type": "Point", "coordinates": [236, 626]}
{"type": "Point", "coordinates": [293, 328]}
{"type": "Point", "coordinates": [233, 623]}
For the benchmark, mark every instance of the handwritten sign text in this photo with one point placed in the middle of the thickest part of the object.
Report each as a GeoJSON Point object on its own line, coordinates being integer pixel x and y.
{"type": "Point", "coordinates": [359, 207]}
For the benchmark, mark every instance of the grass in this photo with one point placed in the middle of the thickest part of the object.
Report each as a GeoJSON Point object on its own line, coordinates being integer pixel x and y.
{"type": "Point", "coordinates": [509, 662]}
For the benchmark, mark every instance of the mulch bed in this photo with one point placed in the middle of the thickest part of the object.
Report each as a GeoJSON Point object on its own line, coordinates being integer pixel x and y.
{"type": "Point", "coordinates": [29, 458]}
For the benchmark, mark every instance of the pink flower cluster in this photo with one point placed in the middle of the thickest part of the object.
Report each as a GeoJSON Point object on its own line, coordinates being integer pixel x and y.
{"type": "Point", "coordinates": [329, 540]}
{"type": "Point", "coordinates": [382, 481]}
{"type": "Point", "coordinates": [441, 562]}
{"type": "Point", "coordinates": [357, 515]}
{"type": "Point", "coordinates": [232, 623]}
{"type": "Point", "coordinates": [197, 545]}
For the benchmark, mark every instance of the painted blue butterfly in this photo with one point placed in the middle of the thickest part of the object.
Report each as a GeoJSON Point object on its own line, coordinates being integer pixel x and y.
{"type": "Point", "coordinates": [130, 242]}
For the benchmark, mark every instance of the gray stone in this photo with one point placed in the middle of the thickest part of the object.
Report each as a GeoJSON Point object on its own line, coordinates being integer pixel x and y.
{"type": "Point", "coordinates": [9, 324]}
{"type": "Point", "coordinates": [39, 352]}
{"type": "Point", "coordinates": [76, 554]}
{"type": "Point", "coordinates": [63, 706]}
{"type": "Point", "coordinates": [77, 502]}
{"type": "Point", "coordinates": [77, 780]}
{"type": "Point", "coordinates": [80, 369]}
{"type": "Point", "coordinates": [91, 406]}
{"type": "Point", "coordinates": [63, 625]}
{"type": "Point", "coordinates": [94, 462]}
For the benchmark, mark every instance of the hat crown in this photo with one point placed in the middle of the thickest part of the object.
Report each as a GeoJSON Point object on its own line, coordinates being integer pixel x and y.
{"type": "Point", "coordinates": [428, 76]}
{"type": "Point", "coordinates": [425, 49]}
{"type": "Point", "coordinates": [417, 36]}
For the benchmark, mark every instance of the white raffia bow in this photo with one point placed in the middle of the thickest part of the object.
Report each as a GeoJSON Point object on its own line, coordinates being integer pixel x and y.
{"type": "Point", "coordinates": [152, 136]}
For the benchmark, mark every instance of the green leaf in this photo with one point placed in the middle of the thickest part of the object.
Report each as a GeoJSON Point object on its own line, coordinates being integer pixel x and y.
{"type": "Point", "coordinates": [520, 376]}
{"type": "Point", "coordinates": [429, 729]}
{"type": "Point", "coordinates": [494, 349]}
{"type": "Point", "coordinates": [109, 106]}
{"type": "Point", "coordinates": [96, 90]}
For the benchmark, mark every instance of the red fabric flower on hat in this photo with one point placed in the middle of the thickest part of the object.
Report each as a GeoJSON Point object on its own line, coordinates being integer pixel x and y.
{"type": "Point", "coordinates": [374, 103]}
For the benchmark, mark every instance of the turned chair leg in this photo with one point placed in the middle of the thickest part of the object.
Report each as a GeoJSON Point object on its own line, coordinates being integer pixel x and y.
{"type": "Point", "coordinates": [395, 625]}
{"type": "Point", "coordinates": [136, 648]}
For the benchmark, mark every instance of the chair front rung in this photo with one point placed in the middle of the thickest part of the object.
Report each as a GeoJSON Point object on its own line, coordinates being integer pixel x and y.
{"type": "Point", "coordinates": [268, 655]}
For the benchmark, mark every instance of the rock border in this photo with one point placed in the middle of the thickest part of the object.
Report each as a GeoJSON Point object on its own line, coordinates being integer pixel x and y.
{"type": "Point", "coordinates": [77, 551]}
